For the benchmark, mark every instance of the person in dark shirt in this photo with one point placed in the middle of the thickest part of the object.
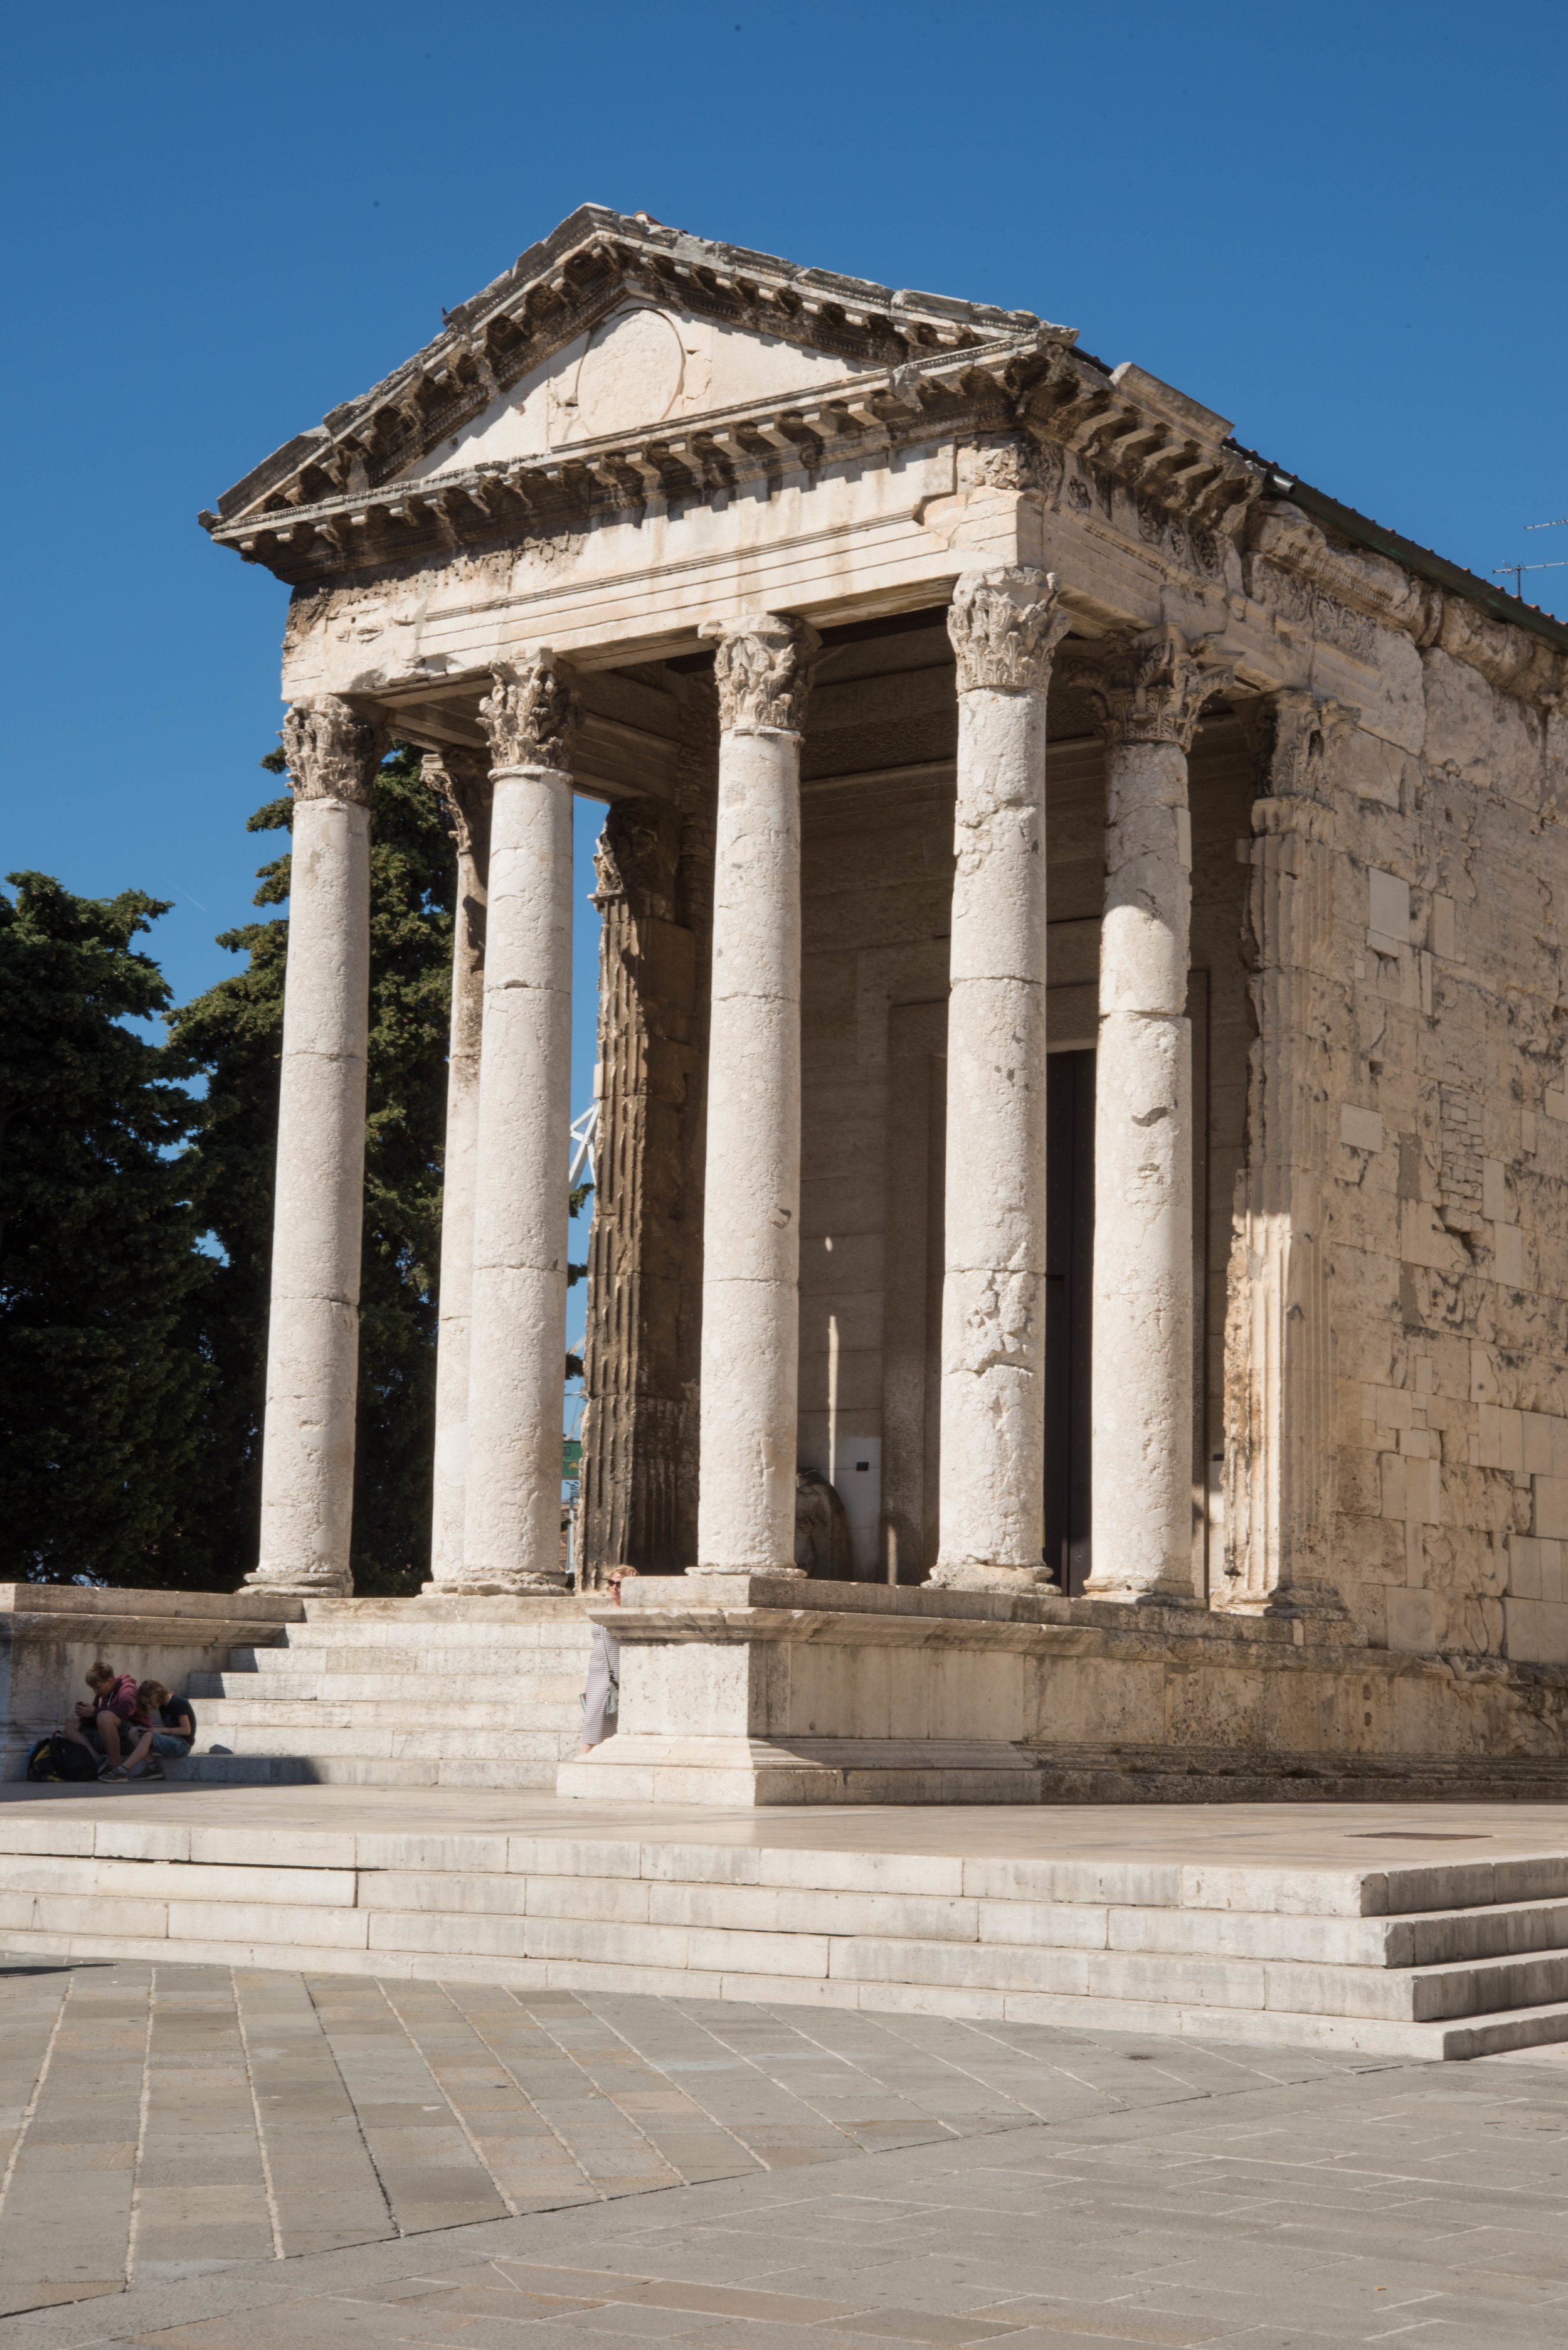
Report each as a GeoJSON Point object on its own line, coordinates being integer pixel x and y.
{"type": "Point", "coordinates": [168, 1730]}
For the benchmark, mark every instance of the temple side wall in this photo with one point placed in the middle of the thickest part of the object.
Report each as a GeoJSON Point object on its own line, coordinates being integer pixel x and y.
{"type": "Point", "coordinates": [1448, 1210]}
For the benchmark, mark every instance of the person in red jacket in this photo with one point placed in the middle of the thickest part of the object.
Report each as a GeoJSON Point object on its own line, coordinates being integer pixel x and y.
{"type": "Point", "coordinates": [99, 1720]}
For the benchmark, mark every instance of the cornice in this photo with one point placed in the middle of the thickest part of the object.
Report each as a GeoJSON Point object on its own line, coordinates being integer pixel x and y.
{"type": "Point", "coordinates": [940, 397]}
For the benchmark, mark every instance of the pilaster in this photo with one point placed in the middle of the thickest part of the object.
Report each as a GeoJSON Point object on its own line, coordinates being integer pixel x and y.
{"type": "Point", "coordinates": [1279, 1350]}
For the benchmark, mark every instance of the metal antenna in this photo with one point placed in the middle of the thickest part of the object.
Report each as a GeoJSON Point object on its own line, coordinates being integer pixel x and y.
{"type": "Point", "coordinates": [1516, 571]}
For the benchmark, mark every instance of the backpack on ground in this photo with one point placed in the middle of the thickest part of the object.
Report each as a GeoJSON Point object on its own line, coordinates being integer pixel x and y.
{"type": "Point", "coordinates": [56, 1758]}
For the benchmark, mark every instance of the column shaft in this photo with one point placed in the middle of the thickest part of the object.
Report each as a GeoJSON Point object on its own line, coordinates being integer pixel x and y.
{"type": "Point", "coordinates": [1151, 693]}
{"type": "Point", "coordinates": [463, 780]}
{"type": "Point", "coordinates": [518, 1330]}
{"type": "Point", "coordinates": [1141, 1411]}
{"type": "Point", "coordinates": [1005, 626]}
{"type": "Point", "coordinates": [312, 1332]}
{"type": "Point", "coordinates": [751, 1299]}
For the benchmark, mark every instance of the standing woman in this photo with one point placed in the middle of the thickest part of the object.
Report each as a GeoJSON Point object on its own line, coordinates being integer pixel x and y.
{"type": "Point", "coordinates": [601, 1698]}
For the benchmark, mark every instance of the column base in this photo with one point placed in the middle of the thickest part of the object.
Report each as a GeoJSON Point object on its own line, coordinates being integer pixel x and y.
{"type": "Point", "coordinates": [787, 1570]}
{"type": "Point", "coordinates": [1145, 1595]}
{"type": "Point", "coordinates": [981, 1575]}
{"type": "Point", "coordinates": [331, 1586]}
{"type": "Point", "coordinates": [1320, 1601]}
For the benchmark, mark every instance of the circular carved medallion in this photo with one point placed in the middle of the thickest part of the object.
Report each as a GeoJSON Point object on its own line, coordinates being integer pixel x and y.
{"type": "Point", "coordinates": [631, 373]}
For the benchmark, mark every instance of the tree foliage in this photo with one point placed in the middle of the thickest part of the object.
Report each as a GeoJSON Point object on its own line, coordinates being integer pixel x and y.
{"type": "Point", "coordinates": [102, 1378]}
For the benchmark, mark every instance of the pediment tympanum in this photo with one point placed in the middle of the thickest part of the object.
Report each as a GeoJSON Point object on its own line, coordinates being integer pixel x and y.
{"type": "Point", "coordinates": [643, 364]}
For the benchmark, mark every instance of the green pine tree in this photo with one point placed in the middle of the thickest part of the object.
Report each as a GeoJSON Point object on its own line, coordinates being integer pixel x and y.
{"type": "Point", "coordinates": [101, 1377]}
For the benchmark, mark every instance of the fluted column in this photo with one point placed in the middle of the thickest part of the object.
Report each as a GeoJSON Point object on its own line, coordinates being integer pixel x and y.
{"type": "Point", "coordinates": [1150, 695]}
{"type": "Point", "coordinates": [517, 1341]}
{"type": "Point", "coordinates": [313, 1331]}
{"type": "Point", "coordinates": [1005, 625]}
{"type": "Point", "coordinates": [1279, 1367]}
{"type": "Point", "coordinates": [463, 779]}
{"type": "Point", "coordinates": [750, 1268]}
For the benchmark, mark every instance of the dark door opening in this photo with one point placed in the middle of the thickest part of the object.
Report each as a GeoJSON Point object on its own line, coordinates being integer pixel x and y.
{"type": "Point", "coordinates": [1069, 1254]}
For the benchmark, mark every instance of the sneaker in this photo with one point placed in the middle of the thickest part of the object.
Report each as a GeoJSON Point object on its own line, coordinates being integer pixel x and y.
{"type": "Point", "coordinates": [114, 1770]}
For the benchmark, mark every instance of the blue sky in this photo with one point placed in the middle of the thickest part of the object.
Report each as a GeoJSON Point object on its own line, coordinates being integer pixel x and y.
{"type": "Point", "coordinates": [1342, 227]}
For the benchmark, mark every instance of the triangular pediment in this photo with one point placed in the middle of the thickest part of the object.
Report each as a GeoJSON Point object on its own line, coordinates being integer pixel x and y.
{"type": "Point", "coordinates": [644, 364]}
{"type": "Point", "coordinates": [612, 324]}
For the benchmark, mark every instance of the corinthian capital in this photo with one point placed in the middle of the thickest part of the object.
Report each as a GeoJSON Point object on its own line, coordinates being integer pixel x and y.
{"type": "Point", "coordinates": [531, 713]}
{"type": "Point", "coordinates": [761, 667]}
{"type": "Point", "coordinates": [461, 780]}
{"type": "Point", "coordinates": [332, 752]}
{"type": "Point", "coordinates": [1005, 625]}
{"type": "Point", "coordinates": [1290, 735]}
{"type": "Point", "coordinates": [1152, 689]}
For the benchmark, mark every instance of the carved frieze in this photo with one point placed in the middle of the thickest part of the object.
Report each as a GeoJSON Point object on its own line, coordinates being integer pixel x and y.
{"type": "Point", "coordinates": [1005, 625]}
{"type": "Point", "coordinates": [1152, 688]}
{"type": "Point", "coordinates": [531, 713]}
{"type": "Point", "coordinates": [331, 752]}
{"type": "Point", "coordinates": [761, 667]}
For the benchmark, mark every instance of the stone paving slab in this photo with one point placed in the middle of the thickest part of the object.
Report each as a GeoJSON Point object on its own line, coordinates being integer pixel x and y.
{"type": "Point", "coordinates": [1326, 2206]}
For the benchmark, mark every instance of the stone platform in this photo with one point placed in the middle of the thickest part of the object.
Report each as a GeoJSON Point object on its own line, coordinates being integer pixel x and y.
{"type": "Point", "coordinates": [1437, 1930]}
{"type": "Point", "coordinates": [767, 1688]}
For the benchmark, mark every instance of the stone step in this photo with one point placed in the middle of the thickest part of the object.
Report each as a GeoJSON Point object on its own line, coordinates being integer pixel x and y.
{"type": "Point", "coordinates": [355, 1941]}
{"type": "Point", "coordinates": [394, 1735]}
{"type": "Point", "coordinates": [506, 1692]}
{"type": "Point", "coordinates": [527, 1650]}
{"type": "Point", "coordinates": [426, 1608]}
{"type": "Point", "coordinates": [543, 1713]}
{"type": "Point", "coordinates": [301, 1766]}
{"type": "Point", "coordinates": [903, 1941]}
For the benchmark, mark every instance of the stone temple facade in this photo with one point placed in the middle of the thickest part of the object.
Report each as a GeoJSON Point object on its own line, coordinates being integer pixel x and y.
{"type": "Point", "coordinates": [1084, 1040]}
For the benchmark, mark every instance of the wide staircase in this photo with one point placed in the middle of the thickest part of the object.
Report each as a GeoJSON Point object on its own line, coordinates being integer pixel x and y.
{"type": "Point", "coordinates": [1453, 1959]}
{"type": "Point", "coordinates": [423, 1692]}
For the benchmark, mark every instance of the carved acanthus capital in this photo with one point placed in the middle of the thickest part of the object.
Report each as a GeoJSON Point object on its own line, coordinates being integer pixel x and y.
{"type": "Point", "coordinates": [1290, 735]}
{"type": "Point", "coordinates": [1152, 688]}
{"type": "Point", "coordinates": [1005, 626]}
{"type": "Point", "coordinates": [331, 753]}
{"type": "Point", "coordinates": [531, 713]}
{"type": "Point", "coordinates": [761, 667]}
{"type": "Point", "coordinates": [461, 780]}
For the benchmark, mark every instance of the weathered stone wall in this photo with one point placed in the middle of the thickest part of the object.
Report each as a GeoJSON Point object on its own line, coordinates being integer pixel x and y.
{"type": "Point", "coordinates": [1450, 1204]}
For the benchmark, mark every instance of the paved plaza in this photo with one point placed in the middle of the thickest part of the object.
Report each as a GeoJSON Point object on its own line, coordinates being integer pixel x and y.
{"type": "Point", "coordinates": [217, 2160]}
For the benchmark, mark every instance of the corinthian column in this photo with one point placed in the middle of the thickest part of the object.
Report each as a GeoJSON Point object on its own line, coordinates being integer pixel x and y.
{"type": "Point", "coordinates": [751, 1233]}
{"type": "Point", "coordinates": [1279, 1383]}
{"type": "Point", "coordinates": [517, 1343]}
{"type": "Point", "coordinates": [462, 780]}
{"type": "Point", "coordinates": [312, 1332]}
{"type": "Point", "coordinates": [1151, 694]}
{"type": "Point", "coordinates": [1005, 625]}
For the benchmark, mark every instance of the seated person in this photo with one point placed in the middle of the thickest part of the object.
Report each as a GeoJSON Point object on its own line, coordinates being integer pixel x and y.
{"type": "Point", "coordinates": [98, 1721]}
{"type": "Point", "coordinates": [170, 1731]}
